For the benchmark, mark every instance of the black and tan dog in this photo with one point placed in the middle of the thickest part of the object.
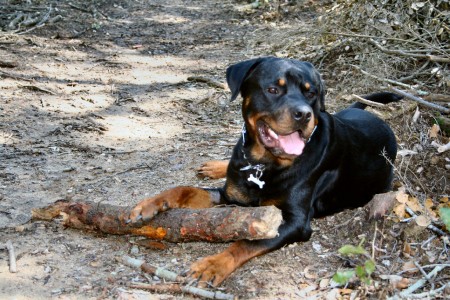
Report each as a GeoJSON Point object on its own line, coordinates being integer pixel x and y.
{"type": "Point", "coordinates": [292, 154]}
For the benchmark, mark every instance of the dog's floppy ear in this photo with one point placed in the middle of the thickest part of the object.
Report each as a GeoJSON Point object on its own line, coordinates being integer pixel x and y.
{"type": "Point", "coordinates": [236, 74]}
{"type": "Point", "coordinates": [322, 93]}
{"type": "Point", "coordinates": [319, 80]}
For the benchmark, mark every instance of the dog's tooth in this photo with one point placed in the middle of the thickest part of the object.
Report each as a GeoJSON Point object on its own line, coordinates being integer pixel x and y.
{"type": "Point", "coordinates": [273, 134]}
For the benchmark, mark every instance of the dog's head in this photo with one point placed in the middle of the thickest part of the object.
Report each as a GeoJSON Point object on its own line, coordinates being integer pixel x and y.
{"type": "Point", "coordinates": [282, 99]}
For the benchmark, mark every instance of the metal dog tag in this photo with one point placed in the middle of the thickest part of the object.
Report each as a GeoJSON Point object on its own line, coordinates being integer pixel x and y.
{"type": "Point", "coordinates": [256, 180]}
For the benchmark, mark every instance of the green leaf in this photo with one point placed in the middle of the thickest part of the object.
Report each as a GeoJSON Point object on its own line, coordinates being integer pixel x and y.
{"type": "Point", "coordinates": [342, 277]}
{"type": "Point", "coordinates": [351, 250]}
{"type": "Point", "coordinates": [369, 266]}
{"type": "Point", "coordinates": [445, 216]}
{"type": "Point", "coordinates": [367, 280]}
{"type": "Point", "coordinates": [360, 271]}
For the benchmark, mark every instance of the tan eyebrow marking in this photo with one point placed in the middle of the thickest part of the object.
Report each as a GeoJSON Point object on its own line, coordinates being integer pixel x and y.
{"type": "Point", "coordinates": [307, 86]}
{"type": "Point", "coordinates": [281, 82]}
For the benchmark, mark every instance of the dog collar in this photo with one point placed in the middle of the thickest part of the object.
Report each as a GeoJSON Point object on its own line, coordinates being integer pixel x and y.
{"type": "Point", "coordinates": [259, 168]}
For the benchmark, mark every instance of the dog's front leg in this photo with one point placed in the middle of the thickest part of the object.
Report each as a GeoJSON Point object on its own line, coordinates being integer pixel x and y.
{"type": "Point", "coordinates": [178, 197]}
{"type": "Point", "coordinates": [216, 268]}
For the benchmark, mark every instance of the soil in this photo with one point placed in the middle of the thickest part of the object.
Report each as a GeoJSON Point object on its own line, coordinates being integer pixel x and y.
{"type": "Point", "coordinates": [98, 106]}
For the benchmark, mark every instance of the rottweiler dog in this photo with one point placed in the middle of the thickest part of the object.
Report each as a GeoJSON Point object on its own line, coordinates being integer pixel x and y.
{"type": "Point", "coordinates": [291, 154]}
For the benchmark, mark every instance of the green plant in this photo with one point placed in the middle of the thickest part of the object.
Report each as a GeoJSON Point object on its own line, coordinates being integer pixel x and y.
{"type": "Point", "coordinates": [445, 216]}
{"type": "Point", "coordinates": [363, 269]}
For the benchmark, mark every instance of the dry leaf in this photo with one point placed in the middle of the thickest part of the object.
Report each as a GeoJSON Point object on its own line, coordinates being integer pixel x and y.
{"type": "Point", "coordinates": [303, 285]}
{"type": "Point", "coordinates": [414, 204]}
{"type": "Point", "coordinates": [402, 197]}
{"type": "Point", "coordinates": [382, 204]}
{"type": "Point", "coordinates": [407, 251]}
{"type": "Point", "coordinates": [429, 203]}
{"type": "Point", "coordinates": [306, 289]}
{"type": "Point", "coordinates": [324, 283]}
{"type": "Point", "coordinates": [154, 245]}
{"type": "Point", "coordinates": [443, 200]}
{"type": "Point", "coordinates": [399, 210]}
{"type": "Point", "coordinates": [345, 291]}
{"type": "Point", "coordinates": [332, 294]}
{"type": "Point", "coordinates": [409, 267]}
{"type": "Point", "coordinates": [429, 208]}
{"type": "Point", "coordinates": [401, 284]}
{"type": "Point", "coordinates": [422, 221]}
{"type": "Point", "coordinates": [434, 130]}
{"type": "Point", "coordinates": [397, 282]}
{"type": "Point", "coordinates": [406, 152]}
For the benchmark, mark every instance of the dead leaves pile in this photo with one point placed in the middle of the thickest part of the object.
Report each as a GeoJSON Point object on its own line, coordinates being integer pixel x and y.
{"type": "Point", "coordinates": [424, 213]}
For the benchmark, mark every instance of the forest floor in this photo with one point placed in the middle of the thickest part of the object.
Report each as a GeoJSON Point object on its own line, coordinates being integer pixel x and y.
{"type": "Point", "coordinates": [97, 105]}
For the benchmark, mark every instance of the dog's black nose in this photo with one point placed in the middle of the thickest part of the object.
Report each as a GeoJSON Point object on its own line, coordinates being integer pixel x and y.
{"type": "Point", "coordinates": [302, 114]}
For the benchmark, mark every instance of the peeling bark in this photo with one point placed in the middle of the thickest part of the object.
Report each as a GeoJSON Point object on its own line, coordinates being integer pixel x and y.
{"type": "Point", "coordinates": [217, 224]}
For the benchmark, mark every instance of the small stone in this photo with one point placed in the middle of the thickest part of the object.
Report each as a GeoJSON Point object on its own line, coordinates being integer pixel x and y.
{"type": "Point", "coordinates": [134, 250]}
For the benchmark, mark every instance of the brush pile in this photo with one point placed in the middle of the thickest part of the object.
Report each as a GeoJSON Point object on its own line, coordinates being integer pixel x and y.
{"type": "Point", "coordinates": [405, 42]}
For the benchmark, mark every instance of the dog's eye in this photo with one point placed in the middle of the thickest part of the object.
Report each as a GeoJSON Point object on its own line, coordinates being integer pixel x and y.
{"type": "Point", "coordinates": [310, 95]}
{"type": "Point", "coordinates": [272, 90]}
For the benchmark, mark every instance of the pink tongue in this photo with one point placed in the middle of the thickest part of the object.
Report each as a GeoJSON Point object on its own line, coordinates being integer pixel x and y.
{"type": "Point", "coordinates": [292, 144]}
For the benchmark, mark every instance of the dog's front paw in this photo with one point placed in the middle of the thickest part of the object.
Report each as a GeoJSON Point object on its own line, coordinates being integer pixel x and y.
{"type": "Point", "coordinates": [213, 169]}
{"type": "Point", "coordinates": [147, 209]}
{"type": "Point", "coordinates": [213, 270]}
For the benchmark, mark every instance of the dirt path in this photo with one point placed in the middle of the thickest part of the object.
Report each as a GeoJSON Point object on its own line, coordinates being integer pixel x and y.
{"type": "Point", "coordinates": [99, 107]}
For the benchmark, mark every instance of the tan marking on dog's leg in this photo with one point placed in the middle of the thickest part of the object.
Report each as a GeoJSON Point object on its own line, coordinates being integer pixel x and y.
{"type": "Point", "coordinates": [213, 169]}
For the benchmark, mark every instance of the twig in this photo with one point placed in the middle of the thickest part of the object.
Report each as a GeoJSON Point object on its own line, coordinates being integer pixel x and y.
{"type": "Point", "coordinates": [444, 148]}
{"type": "Point", "coordinates": [423, 267]}
{"type": "Point", "coordinates": [16, 20]}
{"type": "Point", "coordinates": [383, 79]}
{"type": "Point", "coordinates": [208, 81]}
{"type": "Point", "coordinates": [92, 11]}
{"type": "Point", "coordinates": [365, 101]}
{"type": "Point", "coordinates": [437, 97]}
{"type": "Point", "coordinates": [8, 64]}
{"type": "Point", "coordinates": [171, 276]}
{"type": "Point", "coordinates": [36, 88]}
{"type": "Point", "coordinates": [400, 175]}
{"type": "Point", "coordinates": [160, 272]}
{"type": "Point", "coordinates": [430, 226]}
{"type": "Point", "coordinates": [365, 36]}
{"type": "Point", "coordinates": [177, 288]}
{"type": "Point", "coordinates": [79, 8]}
{"type": "Point", "coordinates": [373, 242]}
{"type": "Point", "coordinates": [433, 58]}
{"type": "Point", "coordinates": [31, 29]}
{"type": "Point", "coordinates": [12, 257]}
{"type": "Point", "coordinates": [428, 295]}
{"type": "Point", "coordinates": [415, 73]}
{"type": "Point", "coordinates": [8, 75]}
{"type": "Point", "coordinates": [346, 222]}
{"type": "Point", "coordinates": [174, 288]}
{"type": "Point", "coordinates": [422, 101]}
{"type": "Point", "coordinates": [425, 275]}
{"type": "Point", "coordinates": [421, 282]}
{"type": "Point", "coordinates": [101, 181]}
{"type": "Point", "coordinates": [41, 23]}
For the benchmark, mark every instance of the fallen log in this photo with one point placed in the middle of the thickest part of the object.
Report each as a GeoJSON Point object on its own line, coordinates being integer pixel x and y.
{"type": "Point", "coordinates": [217, 224]}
